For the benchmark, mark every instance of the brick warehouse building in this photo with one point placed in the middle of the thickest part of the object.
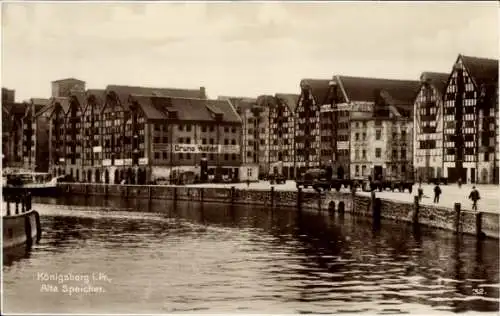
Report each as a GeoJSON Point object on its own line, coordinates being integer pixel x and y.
{"type": "Point", "coordinates": [281, 134]}
{"type": "Point", "coordinates": [141, 134]}
{"type": "Point", "coordinates": [12, 130]}
{"type": "Point", "coordinates": [366, 114]}
{"type": "Point", "coordinates": [314, 94]}
{"type": "Point", "coordinates": [36, 135]}
{"type": "Point", "coordinates": [428, 126]}
{"type": "Point", "coordinates": [471, 121]}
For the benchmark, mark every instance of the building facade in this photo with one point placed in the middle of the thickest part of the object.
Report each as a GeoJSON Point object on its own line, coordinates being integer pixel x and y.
{"type": "Point", "coordinates": [307, 142]}
{"type": "Point", "coordinates": [36, 135]}
{"type": "Point", "coordinates": [281, 132]}
{"type": "Point", "coordinates": [428, 126]}
{"type": "Point", "coordinates": [137, 135]}
{"type": "Point", "coordinates": [12, 130]}
{"type": "Point", "coordinates": [470, 124]}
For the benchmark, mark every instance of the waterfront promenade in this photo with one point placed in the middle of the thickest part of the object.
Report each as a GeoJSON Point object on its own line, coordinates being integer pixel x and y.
{"type": "Point", "coordinates": [451, 194]}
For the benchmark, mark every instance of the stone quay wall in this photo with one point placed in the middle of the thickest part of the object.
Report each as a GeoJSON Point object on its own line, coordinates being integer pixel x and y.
{"type": "Point", "coordinates": [477, 223]}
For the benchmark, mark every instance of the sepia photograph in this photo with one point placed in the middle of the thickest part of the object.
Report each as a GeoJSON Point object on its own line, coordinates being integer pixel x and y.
{"type": "Point", "coordinates": [250, 157]}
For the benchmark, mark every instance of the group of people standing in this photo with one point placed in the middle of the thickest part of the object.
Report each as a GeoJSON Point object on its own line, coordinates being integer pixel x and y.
{"type": "Point", "coordinates": [473, 196]}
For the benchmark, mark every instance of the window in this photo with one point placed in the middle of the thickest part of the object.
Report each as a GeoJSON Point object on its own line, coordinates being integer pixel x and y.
{"type": "Point", "coordinates": [250, 131]}
{"type": "Point", "coordinates": [157, 155]}
{"type": "Point", "coordinates": [364, 136]}
{"type": "Point", "coordinates": [157, 139]}
{"type": "Point", "coordinates": [357, 170]}
{"type": "Point", "coordinates": [403, 154]}
{"type": "Point", "coordinates": [165, 139]}
{"type": "Point", "coordinates": [226, 129]}
{"type": "Point", "coordinates": [164, 155]}
{"type": "Point", "coordinates": [211, 141]}
{"type": "Point", "coordinates": [203, 129]}
{"type": "Point", "coordinates": [188, 156]}
{"type": "Point", "coordinates": [233, 142]}
{"type": "Point", "coordinates": [364, 154]}
{"type": "Point", "coordinates": [188, 128]}
{"type": "Point", "coordinates": [486, 157]}
{"type": "Point", "coordinates": [378, 134]}
{"type": "Point", "coordinates": [181, 156]}
{"type": "Point", "coordinates": [233, 130]}
{"type": "Point", "coordinates": [211, 156]}
{"type": "Point", "coordinates": [204, 141]}
{"type": "Point", "coordinates": [363, 170]}
{"type": "Point", "coordinates": [212, 128]}
{"type": "Point", "coordinates": [233, 156]}
{"type": "Point", "coordinates": [181, 127]}
{"type": "Point", "coordinates": [394, 154]}
{"type": "Point", "coordinates": [403, 134]}
{"type": "Point", "coordinates": [188, 140]}
{"type": "Point", "coordinates": [378, 152]}
{"type": "Point", "coordinates": [226, 141]}
{"type": "Point", "coordinates": [180, 140]}
{"type": "Point", "coordinates": [249, 154]}
{"type": "Point", "coordinates": [356, 154]}
{"type": "Point", "coordinates": [226, 157]}
{"type": "Point", "coordinates": [357, 134]}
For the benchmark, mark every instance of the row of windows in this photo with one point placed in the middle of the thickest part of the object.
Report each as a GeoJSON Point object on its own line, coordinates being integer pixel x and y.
{"type": "Point", "coordinates": [164, 155]}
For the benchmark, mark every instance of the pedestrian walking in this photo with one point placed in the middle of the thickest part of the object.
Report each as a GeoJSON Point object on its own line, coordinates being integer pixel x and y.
{"type": "Point", "coordinates": [459, 183]}
{"type": "Point", "coordinates": [474, 196]}
{"type": "Point", "coordinates": [437, 193]}
{"type": "Point", "coordinates": [420, 193]}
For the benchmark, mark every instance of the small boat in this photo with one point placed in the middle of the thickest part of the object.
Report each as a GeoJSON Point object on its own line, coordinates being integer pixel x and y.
{"type": "Point", "coordinates": [37, 183]}
{"type": "Point", "coordinates": [21, 224]}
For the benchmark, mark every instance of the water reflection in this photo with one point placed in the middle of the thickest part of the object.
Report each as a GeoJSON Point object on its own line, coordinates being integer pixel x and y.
{"type": "Point", "coordinates": [218, 258]}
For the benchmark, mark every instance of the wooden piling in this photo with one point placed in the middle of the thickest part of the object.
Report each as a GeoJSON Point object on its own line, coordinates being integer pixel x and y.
{"type": "Point", "coordinates": [479, 225]}
{"type": "Point", "coordinates": [272, 196]}
{"type": "Point", "coordinates": [458, 210]}
{"type": "Point", "coordinates": [299, 199]}
{"type": "Point", "coordinates": [416, 209]}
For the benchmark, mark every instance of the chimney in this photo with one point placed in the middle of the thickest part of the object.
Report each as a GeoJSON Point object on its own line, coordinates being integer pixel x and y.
{"type": "Point", "coordinates": [203, 93]}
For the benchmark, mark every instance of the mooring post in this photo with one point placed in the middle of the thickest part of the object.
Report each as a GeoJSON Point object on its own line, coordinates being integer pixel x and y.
{"type": "Point", "coordinates": [376, 210]}
{"type": "Point", "coordinates": [416, 209]}
{"type": "Point", "coordinates": [126, 190]}
{"type": "Point", "coordinates": [175, 194]}
{"type": "Point", "coordinates": [479, 225]}
{"type": "Point", "coordinates": [17, 205]}
{"type": "Point", "coordinates": [458, 210]}
{"type": "Point", "coordinates": [272, 196]}
{"type": "Point", "coordinates": [149, 192]}
{"type": "Point", "coordinates": [233, 194]}
{"type": "Point", "coordinates": [202, 190]}
{"type": "Point", "coordinates": [299, 199]}
{"type": "Point", "coordinates": [319, 201]}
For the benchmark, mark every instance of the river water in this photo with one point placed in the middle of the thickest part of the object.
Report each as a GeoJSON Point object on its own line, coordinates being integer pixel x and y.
{"type": "Point", "coordinates": [116, 256]}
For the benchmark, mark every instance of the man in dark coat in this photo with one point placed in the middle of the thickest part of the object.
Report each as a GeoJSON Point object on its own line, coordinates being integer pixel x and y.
{"type": "Point", "coordinates": [474, 196]}
{"type": "Point", "coordinates": [437, 193]}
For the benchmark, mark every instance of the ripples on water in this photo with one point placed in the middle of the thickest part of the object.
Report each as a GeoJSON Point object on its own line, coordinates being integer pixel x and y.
{"type": "Point", "coordinates": [218, 259]}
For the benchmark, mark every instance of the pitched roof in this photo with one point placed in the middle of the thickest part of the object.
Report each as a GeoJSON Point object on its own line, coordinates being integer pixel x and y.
{"type": "Point", "coordinates": [437, 79]}
{"type": "Point", "coordinates": [63, 101]}
{"type": "Point", "coordinates": [240, 104]}
{"type": "Point", "coordinates": [289, 100]}
{"type": "Point", "coordinates": [189, 109]}
{"type": "Point", "coordinates": [319, 87]}
{"type": "Point", "coordinates": [39, 103]}
{"type": "Point", "coordinates": [98, 94]}
{"type": "Point", "coordinates": [482, 70]}
{"type": "Point", "coordinates": [368, 89]}
{"type": "Point", "coordinates": [123, 92]}
{"type": "Point", "coordinates": [67, 79]}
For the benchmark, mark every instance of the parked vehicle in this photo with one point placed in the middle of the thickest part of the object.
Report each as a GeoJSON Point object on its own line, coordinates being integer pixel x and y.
{"type": "Point", "coordinates": [321, 178]}
{"type": "Point", "coordinates": [277, 179]}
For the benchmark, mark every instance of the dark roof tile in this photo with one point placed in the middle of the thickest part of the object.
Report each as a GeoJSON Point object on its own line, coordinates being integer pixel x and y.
{"type": "Point", "coordinates": [368, 89]}
{"type": "Point", "coordinates": [320, 89]}
{"type": "Point", "coordinates": [123, 92]}
{"type": "Point", "coordinates": [437, 79]}
{"type": "Point", "coordinates": [482, 70]}
{"type": "Point", "coordinates": [289, 100]}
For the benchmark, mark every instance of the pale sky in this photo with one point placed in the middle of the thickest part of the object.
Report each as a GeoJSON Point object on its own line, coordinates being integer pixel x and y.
{"type": "Point", "coordinates": [237, 49]}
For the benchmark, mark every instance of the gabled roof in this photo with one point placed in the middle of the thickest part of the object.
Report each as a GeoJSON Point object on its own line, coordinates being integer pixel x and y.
{"type": "Point", "coordinates": [437, 79]}
{"type": "Point", "coordinates": [98, 94]}
{"type": "Point", "coordinates": [319, 88]}
{"type": "Point", "coordinates": [67, 79]}
{"type": "Point", "coordinates": [240, 104]}
{"type": "Point", "coordinates": [369, 89]}
{"type": "Point", "coordinates": [482, 70]}
{"type": "Point", "coordinates": [15, 108]}
{"type": "Point", "coordinates": [226, 109]}
{"type": "Point", "coordinates": [123, 92]}
{"type": "Point", "coordinates": [189, 109]}
{"type": "Point", "coordinates": [63, 101]}
{"type": "Point", "coordinates": [289, 100]}
{"type": "Point", "coordinates": [80, 97]}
